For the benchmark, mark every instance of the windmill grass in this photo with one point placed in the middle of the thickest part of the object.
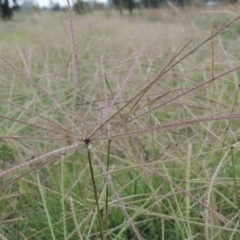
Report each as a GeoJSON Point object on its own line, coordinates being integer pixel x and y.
{"type": "Point", "coordinates": [169, 163]}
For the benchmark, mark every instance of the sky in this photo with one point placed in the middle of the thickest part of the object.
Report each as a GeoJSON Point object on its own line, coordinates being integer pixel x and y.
{"type": "Point", "coordinates": [45, 3]}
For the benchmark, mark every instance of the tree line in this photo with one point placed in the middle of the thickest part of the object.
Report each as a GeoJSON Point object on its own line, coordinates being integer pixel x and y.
{"type": "Point", "coordinates": [6, 10]}
{"type": "Point", "coordinates": [82, 7]}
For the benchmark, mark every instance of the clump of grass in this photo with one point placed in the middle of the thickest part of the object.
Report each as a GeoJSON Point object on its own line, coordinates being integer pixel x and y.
{"type": "Point", "coordinates": [168, 163]}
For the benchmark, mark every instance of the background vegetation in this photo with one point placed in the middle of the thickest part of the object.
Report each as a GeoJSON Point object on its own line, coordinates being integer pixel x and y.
{"type": "Point", "coordinates": [154, 112]}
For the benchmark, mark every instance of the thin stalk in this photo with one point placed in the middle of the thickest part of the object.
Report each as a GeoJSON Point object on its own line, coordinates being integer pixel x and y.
{"type": "Point", "coordinates": [95, 190]}
{"type": "Point", "coordinates": [63, 200]}
{"type": "Point", "coordinates": [235, 186]}
{"type": "Point", "coordinates": [151, 120]}
{"type": "Point", "coordinates": [75, 219]}
{"type": "Point", "coordinates": [235, 100]}
{"type": "Point", "coordinates": [213, 68]}
{"type": "Point", "coordinates": [183, 18]}
{"type": "Point", "coordinates": [188, 187]}
{"type": "Point", "coordinates": [106, 197]}
{"type": "Point", "coordinates": [50, 225]}
{"type": "Point", "coordinates": [2, 237]}
{"type": "Point", "coordinates": [24, 238]}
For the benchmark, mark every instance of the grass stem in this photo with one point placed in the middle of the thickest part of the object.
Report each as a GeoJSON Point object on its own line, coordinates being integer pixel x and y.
{"type": "Point", "coordinates": [46, 208]}
{"type": "Point", "coordinates": [63, 200]}
{"type": "Point", "coordinates": [106, 197]}
{"type": "Point", "coordinates": [235, 186]}
{"type": "Point", "coordinates": [213, 68]}
{"type": "Point", "coordinates": [95, 190]}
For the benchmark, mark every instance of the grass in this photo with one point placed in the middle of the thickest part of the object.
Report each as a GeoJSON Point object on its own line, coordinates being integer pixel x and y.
{"type": "Point", "coordinates": [140, 145]}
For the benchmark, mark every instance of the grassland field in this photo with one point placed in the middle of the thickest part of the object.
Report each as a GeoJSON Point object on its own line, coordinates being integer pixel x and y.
{"type": "Point", "coordinates": [124, 128]}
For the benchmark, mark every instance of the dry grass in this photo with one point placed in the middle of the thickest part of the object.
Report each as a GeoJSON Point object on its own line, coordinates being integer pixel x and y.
{"type": "Point", "coordinates": [146, 86]}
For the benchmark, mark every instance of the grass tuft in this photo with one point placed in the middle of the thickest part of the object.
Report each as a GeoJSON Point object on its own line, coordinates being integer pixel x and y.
{"type": "Point", "coordinates": [146, 109]}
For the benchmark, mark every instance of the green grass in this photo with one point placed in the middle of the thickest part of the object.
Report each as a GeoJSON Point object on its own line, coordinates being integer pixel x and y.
{"type": "Point", "coordinates": [171, 170]}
